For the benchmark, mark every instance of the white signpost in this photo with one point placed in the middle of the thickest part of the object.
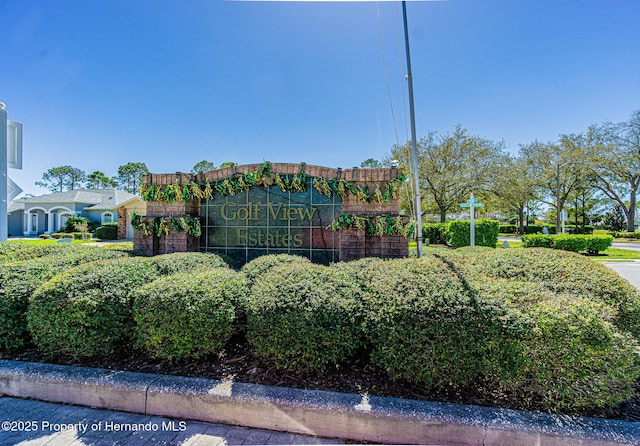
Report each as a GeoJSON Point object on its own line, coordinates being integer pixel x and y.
{"type": "Point", "coordinates": [472, 204]}
{"type": "Point", "coordinates": [10, 156]}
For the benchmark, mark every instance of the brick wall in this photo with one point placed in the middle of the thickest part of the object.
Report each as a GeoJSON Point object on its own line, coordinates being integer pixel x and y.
{"type": "Point", "coordinates": [353, 243]}
{"type": "Point", "coordinates": [122, 223]}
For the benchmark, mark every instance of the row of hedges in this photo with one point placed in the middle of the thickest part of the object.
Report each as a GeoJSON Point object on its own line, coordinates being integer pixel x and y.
{"type": "Point", "coordinates": [592, 244]}
{"type": "Point", "coordinates": [108, 231]}
{"type": "Point", "coordinates": [535, 229]}
{"type": "Point", "coordinates": [457, 232]}
{"type": "Point", "coordinates": [625, 234]}
{"type": "Point", "coordinates": [452, 319]}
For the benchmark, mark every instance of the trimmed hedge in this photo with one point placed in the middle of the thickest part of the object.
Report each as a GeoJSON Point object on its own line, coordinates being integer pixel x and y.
{"type": "Point", "coordinates": [108, 231]}
{"type": "Point", "coordinates": [258, 266]}
{"type": "Point", "coordinates": [426, 327]}
{"type": "Point", "coordinates": [19, 280]}
{"type": "Point", "coordinates": [561, 272]}
{"type": "Point", "coordinates": [304, 317]}
{"type": "Point", "coordinates": [16, 252]}
{"type": "Point", "coordinates": [188, 315]}
{"type": "Point", "coordinates": [434, 232]}
{"type": "Point", "coordinates": [182, 262]}
{"type": "Point", "coordinates": [86, 311]}
{"type": "Point", "coordinates": [457, 232]}
{"type": "Point", "coordinates": [592, 244]}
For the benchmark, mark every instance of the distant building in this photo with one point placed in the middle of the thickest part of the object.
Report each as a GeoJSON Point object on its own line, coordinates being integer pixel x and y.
{"type": "Point", "coordinates": [49, 213]}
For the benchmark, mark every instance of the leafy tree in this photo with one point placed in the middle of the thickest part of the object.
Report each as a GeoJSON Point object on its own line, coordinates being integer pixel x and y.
{"type": "Point", "coordinates": [451, 167]}
{"type": "Point", "coordinates": [515, 187]}
{"type": "Point", "coordinates": [129, 176]}
{"type": "Point", "coordinates": [613, 154]}
{"type": "Point", "coordinates": [227, 164]}
{"type": "Point", "coordinates": [371, 163]}
{"type": "Point", "coordinates": [98, 180]}
{"type": "Point", "coordinates": [203, 166]}
{"type": "Point", "coordinates": [59, 179]}
{"type": "Point", "coordinates": [615, 220]}
{"type": "Point", "coordinates": [557, 170]}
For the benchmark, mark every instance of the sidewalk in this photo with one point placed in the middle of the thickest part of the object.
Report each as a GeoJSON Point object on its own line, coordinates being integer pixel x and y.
{"type": "Point", "coordinates": [33, 423]}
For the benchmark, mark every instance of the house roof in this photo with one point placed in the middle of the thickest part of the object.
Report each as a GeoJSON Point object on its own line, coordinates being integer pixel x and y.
{"type": "Point", "coordinates": [97, 199]}
{"type": "Point", "coordinates": [15, 206]}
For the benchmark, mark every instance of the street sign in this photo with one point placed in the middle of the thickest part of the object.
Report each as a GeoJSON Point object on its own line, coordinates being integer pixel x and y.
{"type": "Point", "coordinates": [14, 144]}
{"type": "Point", "coordinates": [472, 203]}
{"type": "Point", "coordinates": [13, 190]}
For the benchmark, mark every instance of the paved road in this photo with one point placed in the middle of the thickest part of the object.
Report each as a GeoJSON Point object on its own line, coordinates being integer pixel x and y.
{"type": "Point", "coordinates": [35, 423]}
{"type": "Point", "coordinates": [628, 270]}
{"type": "Point", "coordinates": [631, 246]}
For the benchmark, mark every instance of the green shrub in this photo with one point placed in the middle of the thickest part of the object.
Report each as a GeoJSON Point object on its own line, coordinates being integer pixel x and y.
{"type": "Point", "coordinates": [24, 251]}
{"type": "Point", "coordinates": [44, 236]}
{"type": "Point", "coordinates": [508, 229]}
{"type": "Point", "coordinates": [86, 310]}
{"type": "Point", "coordinates": [568, 354]}
{"type": "Point", "coordinates": [108, 231]}
{"type": "Point", "coordinates": [188, 315]}
{"type": "Point", "coordinates": [562, 272]}
{"type": "Point", "coordinates": [457, 232]}
{"type": "Point", "coordinates": [258, 266]}
{"type": "Point", "coordinates": [597, 243]}
{"type": "Point", "coordinates": [70, 225]}
{"type": "Point", "coordinates": [434, 232]}
{"type": "Point", "coordinates": [304, 317]}
{"type": "Point", "coordinates": [537, 241]}
{"type": "Point", "coordinates": [120, 246]}
{"type": "Point", "coordinates": [425, 326]}
{"type": "Point", "coordinates": [182, 262]}
{"type": "Point", "coordinates": [566, 242]}
{"type": "Point", "coordinates": [18, 281]}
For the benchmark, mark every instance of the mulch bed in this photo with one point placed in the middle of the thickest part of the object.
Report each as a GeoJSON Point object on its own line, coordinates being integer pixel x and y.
{"type": "Point", "coordinates": [358, 377]}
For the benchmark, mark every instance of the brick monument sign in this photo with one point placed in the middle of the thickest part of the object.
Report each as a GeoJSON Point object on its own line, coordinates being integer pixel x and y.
{"type": "Point", "coordinates": [251, 210]}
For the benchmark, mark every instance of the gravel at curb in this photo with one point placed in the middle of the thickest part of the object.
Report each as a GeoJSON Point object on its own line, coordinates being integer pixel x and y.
{"type": "Point", "coordinates": [326, 414]}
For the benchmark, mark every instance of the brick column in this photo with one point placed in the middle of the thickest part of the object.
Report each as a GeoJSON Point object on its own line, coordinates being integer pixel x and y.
{"type": "Point", "coordinates": [352, 244]}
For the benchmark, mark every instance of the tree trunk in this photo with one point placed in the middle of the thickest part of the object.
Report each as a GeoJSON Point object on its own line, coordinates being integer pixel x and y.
{"type": "Point", "coordinates": [443, 216]}
{"type": "Point", "coordinates": [521, 219]}
{"type": "Point", "coordinates": [631, 216]}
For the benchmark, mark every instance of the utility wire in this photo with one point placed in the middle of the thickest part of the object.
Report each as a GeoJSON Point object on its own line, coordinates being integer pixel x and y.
{"type": "Point", "coordinates": [386, 74]}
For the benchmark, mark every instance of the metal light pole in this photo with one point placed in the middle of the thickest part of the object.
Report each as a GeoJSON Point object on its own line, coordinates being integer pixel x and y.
{"type": "Point", "coordinates": [4, 225]}
{"type": "Point", "coordinates": [414, 149]}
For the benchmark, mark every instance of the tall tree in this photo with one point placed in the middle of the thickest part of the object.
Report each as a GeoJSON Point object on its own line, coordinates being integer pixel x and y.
{"type": "Point", "coordinates": [370, 163]}
{"type": "Point", "coordinates": [98, 180]}
{"type": "Point", "coordinates": [557, 169]}
{"type": "Point", "coordinates": [452, 166]}
{"type": "Point", "coordinates": [129, 176]}
{"type": "Point", "coordinates": [203, 166]}
{"type": "Point", "coordinates": [60, 179]}
{"type": "Point", "coordinates": [613, 151]}
{"type": "Point", "coordinates": [515, 187]}
{"type": "Point", "coordinates": [227, 164]}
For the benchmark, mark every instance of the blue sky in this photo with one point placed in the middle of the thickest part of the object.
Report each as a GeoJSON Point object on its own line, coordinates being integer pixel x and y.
{"type": "Point", "coordinates": [100, 83]}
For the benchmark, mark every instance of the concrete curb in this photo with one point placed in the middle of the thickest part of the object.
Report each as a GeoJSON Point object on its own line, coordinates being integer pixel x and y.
{"type": "Point", "coordinates": [327, 414]}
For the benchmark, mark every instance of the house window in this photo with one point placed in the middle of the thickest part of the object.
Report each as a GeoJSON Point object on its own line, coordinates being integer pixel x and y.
{"type": "Point", "coordinates": [107, 217]}
{"type": "Point", "coordinates": [63, 220]}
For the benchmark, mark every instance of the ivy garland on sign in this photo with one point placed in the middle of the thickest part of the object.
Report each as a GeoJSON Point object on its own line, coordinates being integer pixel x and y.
{"type": "Point", "coordinates": [163, 225]}
{"type": "Point", "coordinates": [266, 177]}
{"type": "Point", "coordinates": [378, 225]}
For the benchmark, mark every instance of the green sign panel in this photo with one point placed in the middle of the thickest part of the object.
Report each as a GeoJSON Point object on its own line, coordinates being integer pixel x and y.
{"type": "Point", "coordinates": [266, 220]}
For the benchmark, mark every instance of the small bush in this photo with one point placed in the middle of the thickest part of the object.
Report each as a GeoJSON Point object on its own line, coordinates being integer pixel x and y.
{"type": "Point", "coordinates": [182, 262]}
{"type": "Point", "coordinates": [537, 241]}
{"type": "Point", "coordinates": [86, 310]}
{"type": "Point", "coordinates": [434, 232]}
{"type": "Point", "coordinates": [304, 317]}
{"type": "Point", "coordinates": [258, 266]}
{"type": "Point", "coordinates": [44, 236]}
{"type": "Point", "coordinates": [24, 251]}
{"type": "Point", "coordinates": [70, 225]}
{"type": "Point", "coordinates": [562, 272]}
{"type": "Point", "coordinates": [458, 232]}
{"type": "Point", "coordinates": [594, 244]}
{"type": "Point", "coordinates": [18, 281]}
{"type": "Point", "coordinates": [424, 325]}
{"type": "Point", "coordinates": [565, 242]}
{"type": "Point", "coordinates": [188, 315]}
{"type": "Point", "coordinates": [108, 231]}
